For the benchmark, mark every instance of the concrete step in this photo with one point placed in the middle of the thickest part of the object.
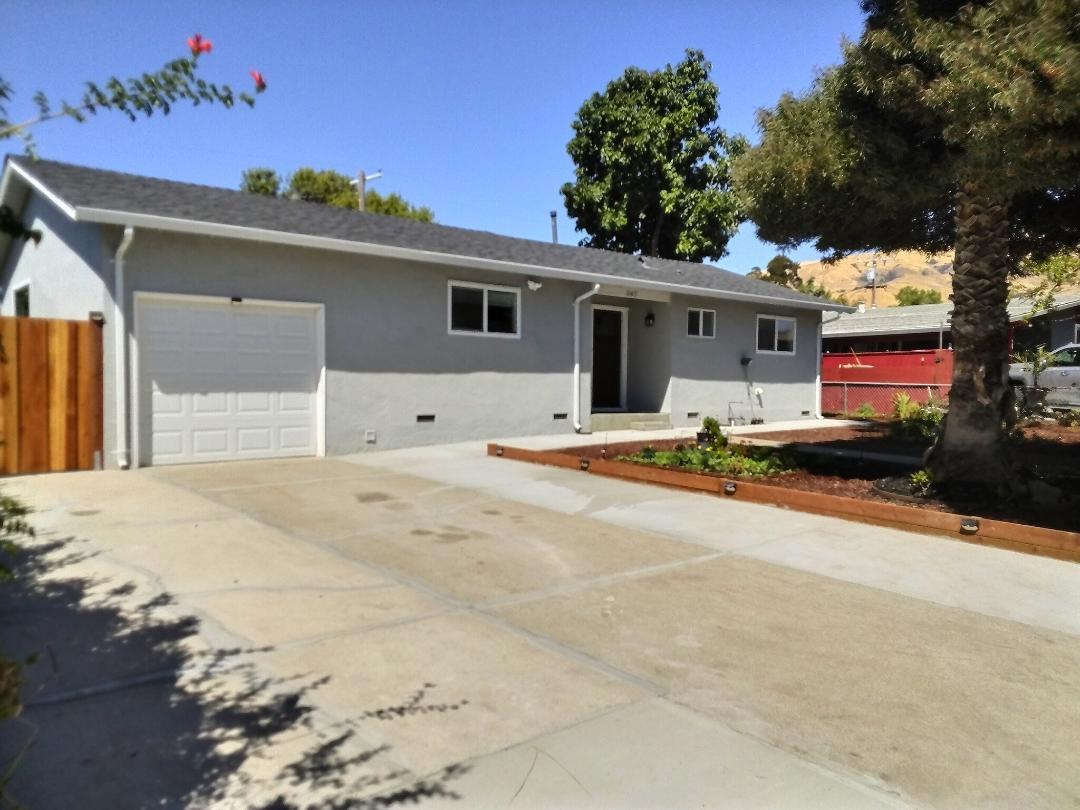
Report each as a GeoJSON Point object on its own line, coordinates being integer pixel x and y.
{"type": "Point", "coordinates": [630, 421]}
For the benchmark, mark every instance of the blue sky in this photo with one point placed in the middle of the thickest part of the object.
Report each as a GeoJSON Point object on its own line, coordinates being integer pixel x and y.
{"type": "Point", "coordinates": [466, 106]}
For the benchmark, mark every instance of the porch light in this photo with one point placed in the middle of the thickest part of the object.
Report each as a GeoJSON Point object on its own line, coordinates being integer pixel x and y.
{"type": "Point", "coordinates": [650, 319]}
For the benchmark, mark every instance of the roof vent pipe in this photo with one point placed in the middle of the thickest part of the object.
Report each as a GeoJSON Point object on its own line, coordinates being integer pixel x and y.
{"type": "Point", "coordinates": [577, 354]}
{"type": "Point", "coordinates": [554, 227]}
{"type": "Point", "coordinates": [123, 458]}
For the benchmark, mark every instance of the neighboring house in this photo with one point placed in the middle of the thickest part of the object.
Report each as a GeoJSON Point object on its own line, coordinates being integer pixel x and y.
{"type": "Point", "coordinates": [902, 329]}
{"type": "Point", "coordinates": [240, 326]}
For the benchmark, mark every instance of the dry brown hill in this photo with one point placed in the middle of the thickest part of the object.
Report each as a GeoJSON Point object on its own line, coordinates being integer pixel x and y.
{"type": "Point", "coordinates": [906, 268]}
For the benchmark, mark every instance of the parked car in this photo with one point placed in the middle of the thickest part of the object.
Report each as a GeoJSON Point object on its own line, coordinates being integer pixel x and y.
{"type": "Point", "coordinates": [1060, 378]}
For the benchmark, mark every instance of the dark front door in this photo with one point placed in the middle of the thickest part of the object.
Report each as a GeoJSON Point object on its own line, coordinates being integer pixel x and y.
{"type": "Point", "coordinates": [607, 358]}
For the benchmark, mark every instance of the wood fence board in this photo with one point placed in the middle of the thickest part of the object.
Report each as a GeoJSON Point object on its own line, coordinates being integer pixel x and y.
{"type": "Point", "coordinates": [33, 395]}
{"type": "Point", "coordinates": [89, 402]}
{"type": "Point", "coordinates": [9, 393]}
{"type": "Point", "coordinates": [50, 395]}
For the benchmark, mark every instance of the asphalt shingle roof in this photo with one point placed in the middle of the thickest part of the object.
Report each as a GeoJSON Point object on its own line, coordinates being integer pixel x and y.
{"type": "Point", "coordinates": [84, 187]}
{"type": "Point", "coordinates": [922, 318]}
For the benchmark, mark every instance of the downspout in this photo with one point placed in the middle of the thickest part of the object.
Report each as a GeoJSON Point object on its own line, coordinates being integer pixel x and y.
{"type": "Point", "coordinates": [577, 354]}
{"type": "Point", "coordinates": [817, 382]}
{"type": "Point", "coordinates": [123, 458]}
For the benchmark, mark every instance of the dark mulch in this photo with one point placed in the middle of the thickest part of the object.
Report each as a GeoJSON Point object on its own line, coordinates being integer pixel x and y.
{"type": "Point", "coordinates": [1056, 462]}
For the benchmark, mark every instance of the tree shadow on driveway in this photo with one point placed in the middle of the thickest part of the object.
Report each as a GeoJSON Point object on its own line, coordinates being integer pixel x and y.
{"type": "Point", "coordinates": [128, 706]}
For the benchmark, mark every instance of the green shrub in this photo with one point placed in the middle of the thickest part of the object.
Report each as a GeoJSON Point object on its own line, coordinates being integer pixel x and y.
{"type": "Point", "coordinates": [913, 422]}
{"type": "Point", "coordinates": [735, 460]}
{"type": "Point", "coordinates": [711, 426]}
{"type": "Point", "coordinates": [1070, 419]}
{"type": "Point", "coordinates": [865, 411]}
{"type": "Point", "coordinates": [921, 482]}
{"type": "Point", "coordinates": [13, 526]}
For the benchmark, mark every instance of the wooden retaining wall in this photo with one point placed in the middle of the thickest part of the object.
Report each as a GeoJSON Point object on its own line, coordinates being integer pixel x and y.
{"type": "Point", "coordinates": [1063, 545]}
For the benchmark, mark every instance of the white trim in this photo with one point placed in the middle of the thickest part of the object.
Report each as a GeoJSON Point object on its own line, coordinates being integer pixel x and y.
{"type": "Point", "coordinates": [625, 341]}
{"type": "Point", "coordinates": [108, 217]}
{"type": "Point", "coordinates": [575, 385]}
{"type": "Point", "coordinates": [476, 285]}
{"type": "Point", "coordinates": [15, 301]}
{"type": "Point", "coordinates": [41, 189]}
{"type": "Point", "coordinates": [320, 354]}
{"type": "Point", "coordinates": [794, 335]}
{"type": "Point", "coordinates": [1076, 333]}
{"type": "Point", "coordinates": [701, 323]}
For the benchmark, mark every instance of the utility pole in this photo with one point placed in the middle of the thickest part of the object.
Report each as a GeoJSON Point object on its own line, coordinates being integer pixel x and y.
{"type": "Point", "coordinates": [361, 186]}
{"type": "Point", "coordinates": [554, 227]}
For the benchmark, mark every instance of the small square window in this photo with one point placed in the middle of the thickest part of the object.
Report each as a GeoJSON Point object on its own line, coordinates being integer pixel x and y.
{"type": "Point", "coordinates": [22, 302]}
{"type": "Point", "coordinates": [700, 322]}
{"type": "Point", "coordinates": [775, 335]}
{"type": "Point", "coordinates": [484, 309]}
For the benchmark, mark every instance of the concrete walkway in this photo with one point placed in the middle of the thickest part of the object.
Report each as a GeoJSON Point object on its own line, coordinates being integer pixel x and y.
{"type": "Point", "coordinates": [433, 625]}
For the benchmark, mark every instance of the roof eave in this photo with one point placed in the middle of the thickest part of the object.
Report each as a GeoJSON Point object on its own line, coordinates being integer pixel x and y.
{"type": "Point", "coordinates": [154, 222]}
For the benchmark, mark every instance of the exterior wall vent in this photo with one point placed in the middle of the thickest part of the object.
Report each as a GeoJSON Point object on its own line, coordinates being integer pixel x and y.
{"type": "Point", "coordinates": [558, 416]}
{"type": "Point", "coordinates": [693, 414]}
{"type": "Point", "coordinates": [425, 417]}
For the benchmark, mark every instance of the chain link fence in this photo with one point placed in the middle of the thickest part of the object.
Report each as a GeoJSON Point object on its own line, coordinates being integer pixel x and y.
{"type": "Point", "coordinates": [845, 398]}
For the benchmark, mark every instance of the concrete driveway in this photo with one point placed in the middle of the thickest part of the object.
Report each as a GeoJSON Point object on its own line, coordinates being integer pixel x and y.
{"type": "Point", "coordinates": [438, 627]}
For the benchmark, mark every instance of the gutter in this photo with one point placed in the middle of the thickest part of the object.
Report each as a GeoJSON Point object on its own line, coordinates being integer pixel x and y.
{"type": "Point", "coordinates": [577, 354]}
{"type": "Point", "coordinates": [122, 454]}
{"type": "Point", "coordinates": [154, 222]}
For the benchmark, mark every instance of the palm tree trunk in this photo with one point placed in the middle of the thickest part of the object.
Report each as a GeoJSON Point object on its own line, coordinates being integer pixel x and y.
{"type": "Point", "coordinates": [970, 450]}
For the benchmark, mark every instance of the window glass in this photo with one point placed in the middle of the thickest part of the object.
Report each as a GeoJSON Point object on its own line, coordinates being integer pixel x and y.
{"type": "Point", "coordinates": [22, 302]}
{"type": "Point", "coordinates": [501, 312]}
{"type": "Point", "coordinates": [708, 323]}
{"type": "Point", "coordinates": [785, 335]}
{"type": "Point", "coordinates": [466, 309]}
{"type": "Point", "coordinates": [693, 322]}
{"type": "Point", "coordinates": [766, 334]}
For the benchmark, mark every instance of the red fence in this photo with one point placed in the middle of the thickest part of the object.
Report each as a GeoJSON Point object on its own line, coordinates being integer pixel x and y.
{"type": "Point", "coordinates": [932, 366]}
{"type": "Point", "coordinates": [850, 382]}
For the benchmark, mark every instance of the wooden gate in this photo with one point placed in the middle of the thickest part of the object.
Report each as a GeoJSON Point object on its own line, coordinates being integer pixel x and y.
{"type": "Point", "coordinates": [50, 395]}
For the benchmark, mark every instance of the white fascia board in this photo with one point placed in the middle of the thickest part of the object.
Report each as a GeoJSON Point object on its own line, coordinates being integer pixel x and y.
{"type": "Point", "coordinates": [38, 186]}
{"type": "Point", "coordinates": [915, 330]}
{"type": "Point", "coordinates": [154, 222]}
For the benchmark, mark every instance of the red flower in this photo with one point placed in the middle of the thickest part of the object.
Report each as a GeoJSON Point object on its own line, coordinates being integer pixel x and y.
{"type": "Point", "coordinates": [199, 45]}
{"type": "Point", "coordinates": [260, 82]}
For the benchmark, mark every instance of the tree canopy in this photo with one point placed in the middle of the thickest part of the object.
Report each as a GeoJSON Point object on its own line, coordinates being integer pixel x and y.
{"type": "Point", "coordinates": [947, 124]}
{"type": "Point", "coordinates": [908, 296]}
{"type": "Point", "coordinates": [653, 167]}
{"type": "Point", "coordinates": [784, 271]}
{"type": "Point", "coordinates": [330, 188]}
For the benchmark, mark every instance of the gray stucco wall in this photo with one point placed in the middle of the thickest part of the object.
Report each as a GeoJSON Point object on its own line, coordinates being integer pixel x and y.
{"type": "Point", "coordinates": [389, 357]}
{"type": "Point", "coordinates": [63, 269]}
{"type": "Point", "coordinates": [708, 377]}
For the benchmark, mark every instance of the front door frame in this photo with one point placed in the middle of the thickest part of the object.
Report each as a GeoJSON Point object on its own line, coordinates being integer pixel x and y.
{"type": "Point", "coordinates": [624, 345]}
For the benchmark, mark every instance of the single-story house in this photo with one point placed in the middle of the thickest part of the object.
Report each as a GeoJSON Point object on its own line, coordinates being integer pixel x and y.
{"type": "Point", "coordinates": [928, 326]}
{"type": "Point", "coordinates": [242, 326]}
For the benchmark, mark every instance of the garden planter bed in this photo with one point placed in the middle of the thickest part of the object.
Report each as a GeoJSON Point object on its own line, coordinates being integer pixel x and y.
{"type": "Point", "coordinates": [809, 490]}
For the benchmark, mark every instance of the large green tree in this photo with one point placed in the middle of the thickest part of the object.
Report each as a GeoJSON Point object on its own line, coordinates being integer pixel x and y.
{"type": "Point", "coordinates": [948, 125]}
{"type": "Point", "coordinates": [330, 188]}
{"type": "Point", "coordinates": [784, 271]}
{"type": "Point", "coordinates": [653, 167]}
{"type": "Point", "coordinates": [908, 296]}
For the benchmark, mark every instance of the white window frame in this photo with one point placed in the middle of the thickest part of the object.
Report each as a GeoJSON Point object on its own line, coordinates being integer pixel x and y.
{"type": "Point", "coordinates": [776, 332]}
{"type": "Point", "coordinates": [474, 285]}
{"type": "Point", "coordinates": [701, 323]}
{"type": "Point", "coordinates": [1076, 333]}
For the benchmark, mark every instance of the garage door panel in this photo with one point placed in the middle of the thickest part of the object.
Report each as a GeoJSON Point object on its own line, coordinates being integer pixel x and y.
{"type": "Point", "coordinates": [228, 381]}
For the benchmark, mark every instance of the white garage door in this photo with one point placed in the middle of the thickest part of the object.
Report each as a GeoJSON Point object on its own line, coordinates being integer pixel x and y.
{"type": "Point", "coordinates": [222, 380]}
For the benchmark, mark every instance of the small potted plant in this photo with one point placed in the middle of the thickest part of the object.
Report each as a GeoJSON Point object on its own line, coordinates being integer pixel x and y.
{"type": "Point", "coordinates": [709, 435]}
